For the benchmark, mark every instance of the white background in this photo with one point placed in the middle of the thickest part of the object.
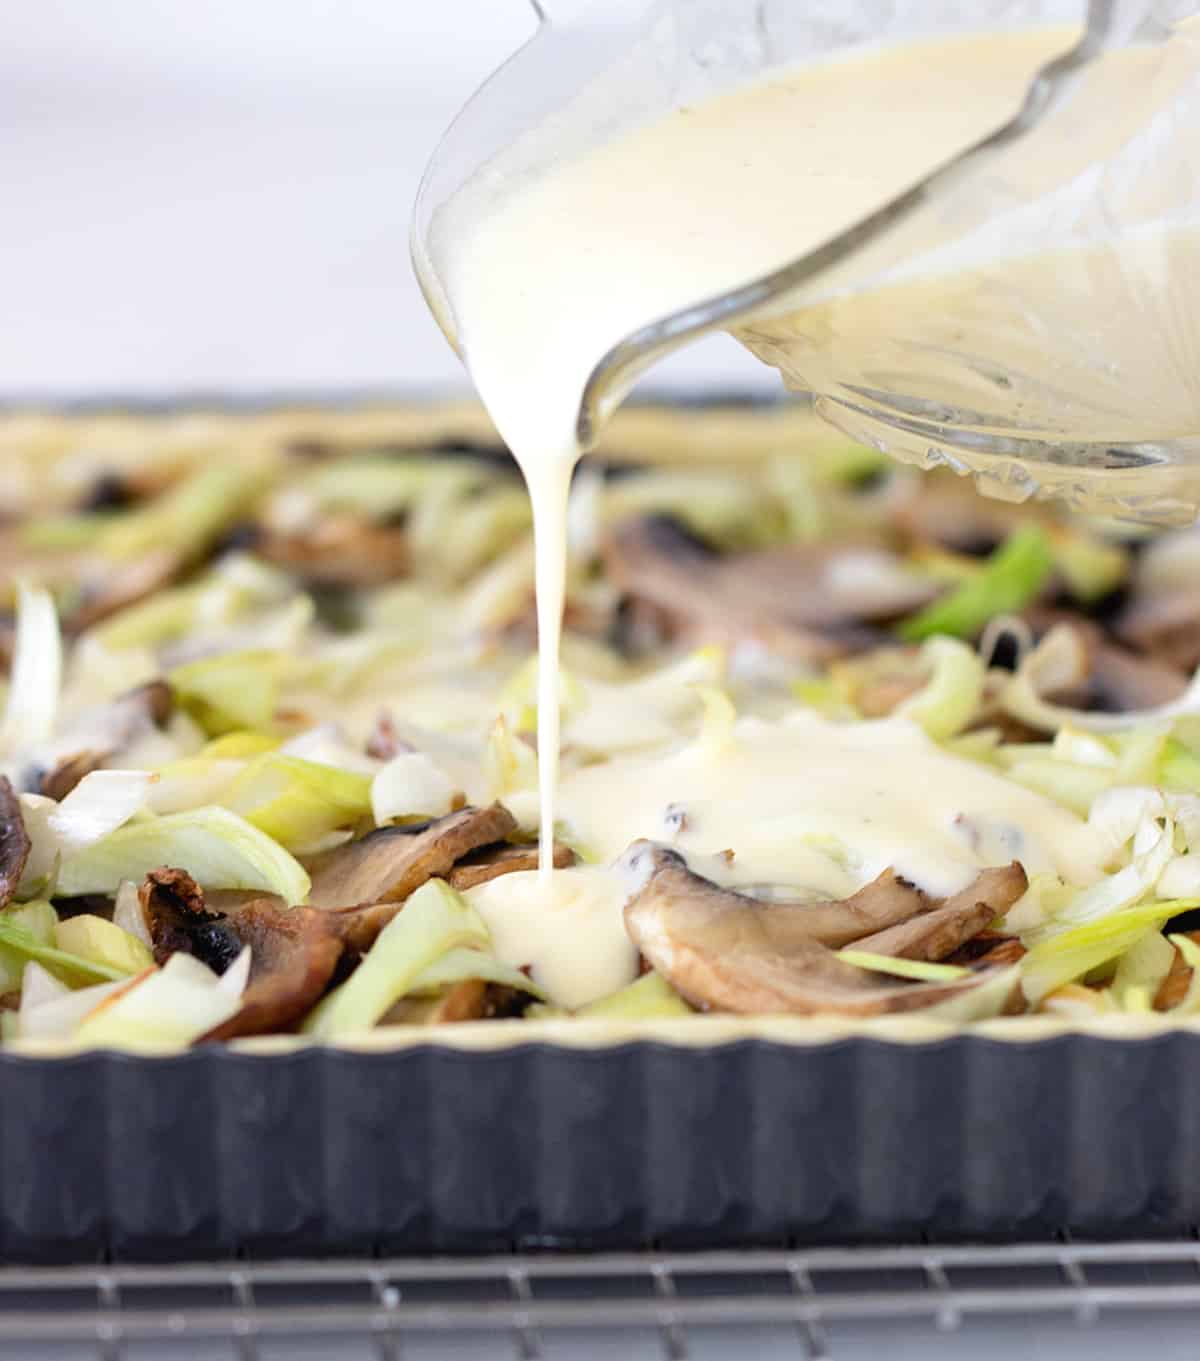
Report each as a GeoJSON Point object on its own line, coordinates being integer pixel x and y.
{"type": "Point", "coordinates": [216, 193]}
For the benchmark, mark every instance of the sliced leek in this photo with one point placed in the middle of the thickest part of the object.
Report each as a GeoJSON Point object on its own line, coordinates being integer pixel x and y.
{"type": "Point", "coordinates": [216, 847]}
{"type": "Point", "coordinates": [432, 922]}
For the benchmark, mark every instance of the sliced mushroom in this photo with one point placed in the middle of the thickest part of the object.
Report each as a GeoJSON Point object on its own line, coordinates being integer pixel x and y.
{"type": "Point", "coordinates": [473, 999]}
{"type": "Point", "coordinates": [829, 585]}
{"type": "Point", "coordinates": [723, 951]}
{"type": "Point", "coordinates": [1166, 627]}
{"type": "Point", "coordinates": [117, 587]}
{"type": "Point", "coordinates": [178, 921]}
{"type": "Point", "coordinates": [385, 742]}
{"type": "Point", "coordinates": [1096, 674]}
{"type": "Point", "coordinates": [988, 949]}
{"type": "Point", "coordinates": [784, 598]}
{"type": "Point", "coordinates": [1174, 988]}
{"type": "Point", "coordinates": [340, 550]}
{"type": "Point", "coordinates": [492, 861]}
{"type": "Point", "coordinates": [294, 951]}
{"type": "Point", "coordinates": [934, 935]}
{"type": "Point", "coordinates": [362, 884]}
{"type": "Point", "coordinates": [885, 901]}
{"type": "Point", "coordinates": [14, 842]}
{"type": "Point", "coordinates": [947, 510]}
{"type": "Point", "coordinates": [1123, 682]}
{"type": "Point", "coordinates": [66, 773]}
{"type": "Point", "coordinates": [96, 736]}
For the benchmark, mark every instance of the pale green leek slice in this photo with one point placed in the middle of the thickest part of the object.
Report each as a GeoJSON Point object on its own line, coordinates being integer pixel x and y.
{"type": "Point", "coordinates": [37, 919]}
{"type": "Point", "coordinates": [71, 969]}
{"type": "Point", "coordinates": [1076, 952]}
{"type": "Point", "coordinates": [1091, 567]}
{"type": "Point", "coordinates": [1074, 785]}
{"type": "Point", "coordinates": [509, 763]}
{"type": "Point", "coordinates": [218, 849]}
{"type": "Point", "coordinates": [903, 968]}
{"type": "Point", "coordinates": [463, 963]}
{"type": "Point", "coordinates": [988, 998]}
{"type": "Point", "coordinates": [1010, 579]}
{"type": "Point", "coordinates": [161, 618]}
{"type": "Point", "coordinates": [1141, 970]}
{"type": "Point", "coordinates": [102, 942]}
{"type": "Point", "coordinates": [297, 802]}
{"type": "Point", "coordinates": [234, 691]}
{"type": "Point", "coordinates": [1179, 767]}
{"type": "Point", "coordinates": [432, 922]}
{"type": "Point", "coordinates": [171, 1006]}
{"type": "Point", "coordinates": [186, 517]}
{"type": "Point", "coordinates": [948, 701]}
{"type": "Point", "coordinates": [648, 998]}
{"type": "Point", "coordinates": [382, 487]}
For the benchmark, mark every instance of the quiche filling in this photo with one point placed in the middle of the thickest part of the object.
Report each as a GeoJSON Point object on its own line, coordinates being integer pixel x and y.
{"type": "Point", "coordinates": [837, 737]}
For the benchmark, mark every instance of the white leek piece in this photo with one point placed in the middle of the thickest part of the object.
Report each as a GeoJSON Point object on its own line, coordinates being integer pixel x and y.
{"type": "Point", "coordinates": [36, 674]}
{"type": "Point", "coordinates": [216, 847]}
{"type": "Point", "coordinates": [433, 921]}
{"type": "Point", "coordinates": [173, 1005]}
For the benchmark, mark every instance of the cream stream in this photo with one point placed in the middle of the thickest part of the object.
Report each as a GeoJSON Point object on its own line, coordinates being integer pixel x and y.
{"type": "Point", "coordinates": [543, 274]}
{"type": "Point", "coordinates": [543, 278]}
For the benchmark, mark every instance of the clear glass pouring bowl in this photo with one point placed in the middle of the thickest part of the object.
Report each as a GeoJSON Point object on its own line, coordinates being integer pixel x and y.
{"type": "Point", "coordinates": [1068, 362]}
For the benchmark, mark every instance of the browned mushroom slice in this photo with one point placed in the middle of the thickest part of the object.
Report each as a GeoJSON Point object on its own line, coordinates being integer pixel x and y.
{"type": "Point", "coordinates": [14, 842]}
{"type": "Point", "coordinates": [1095, 673]}
{"type": "Point", "coordinates": [723, 951]}
{"type": "Point", "coordinates": [362, 884]}
{"type": "Point", "coordinates": [829, 585]}
{"type": "Point", "coordinates": [943, 509]}
{"type": "Point", "coordinates": [656, 561]}
{"type": "Point", "coordinates": [473, 999]}
{"type": "Point", "coordinates": [1174, 988]}
{"type": "Point", "coordinates": [117, 587]}
{"type": "Point", "coordinates": [293, 955]}
{"type": "Point", "coordinates": [1166, 626]}
{"type": "Point", "coordinates": [100, 734]}
{"type": "Point", "coordinates": [988, 949]}
{"type": "Point", "coordinates": [341, 550]}
{"type": "Point", "coordinates": [1123, 682]}
{"type": "Point", "coordinates": [294, 951]}
{"type": "Point", "coordinates": [934, 935]}
{"type": "Point", "coordinates": [384, 741]}
{"type": "Point", "coordinates": [492, 861]}
{"type": "Point", "coordinates": [175, 914]}
{"type": "Point", "coordinates": [885, 901]}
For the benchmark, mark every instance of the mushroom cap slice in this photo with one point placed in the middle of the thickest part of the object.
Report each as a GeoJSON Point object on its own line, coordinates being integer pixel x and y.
{"type": "Point", "coordinates": [14, 842]}
{"type": "Point", "coordinates": [362, 884]}
{"type": "Point", "coordinates": [934, 935]}
{"type": "Point", "coordinates": [482, 866]}
{"type": "Point", "coordinates": [294, 950]}
{"type": "Point", "coordinates": [884, 902]}
{"type": "Point", "coordinates": [656, 560]}
{"type": "Point", "coordinates": [722, 951]}
{"type": "Point", "coordinates": [341, 550]}
{"type": "Point", "coordinates": [99, 734]}
{"type": "Point", "coordinates": [1174, 987]}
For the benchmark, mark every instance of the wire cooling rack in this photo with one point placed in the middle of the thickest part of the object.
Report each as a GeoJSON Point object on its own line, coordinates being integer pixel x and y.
{"type": "Point", "coordinates": [528, 1301]}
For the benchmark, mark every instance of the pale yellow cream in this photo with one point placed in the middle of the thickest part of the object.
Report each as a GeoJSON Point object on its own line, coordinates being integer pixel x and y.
{"type": "Point", "coordinates": [807, 806]}
{"type": "Point", "coordinates": [543, 274]}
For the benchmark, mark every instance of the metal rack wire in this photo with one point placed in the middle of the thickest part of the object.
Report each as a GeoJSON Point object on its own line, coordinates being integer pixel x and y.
{"type": "Point", "coordinates": [530, 1298]}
